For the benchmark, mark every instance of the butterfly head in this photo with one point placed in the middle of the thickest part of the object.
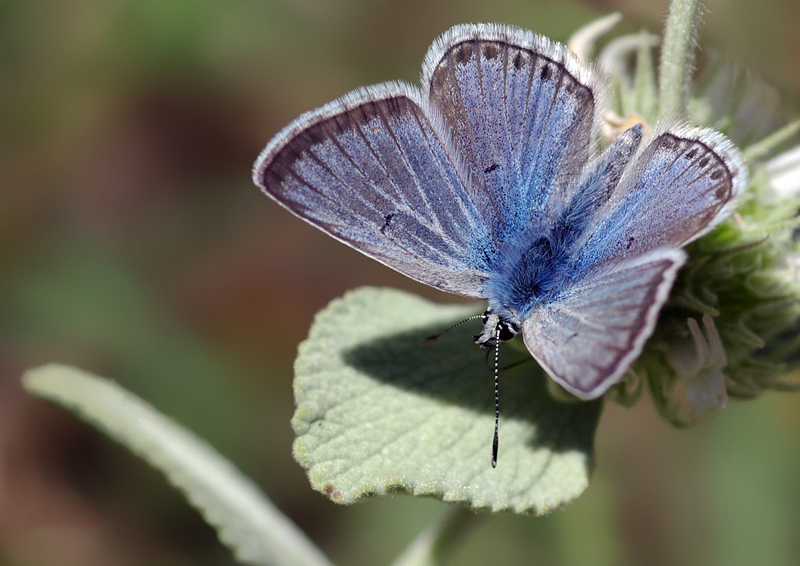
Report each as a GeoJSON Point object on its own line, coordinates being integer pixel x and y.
{"type": "Point", "coordinates": [495, 327]}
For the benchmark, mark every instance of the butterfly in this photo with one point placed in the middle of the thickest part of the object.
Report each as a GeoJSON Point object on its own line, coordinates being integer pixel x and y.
{"type": "Point", "coordinates": [486, 183]}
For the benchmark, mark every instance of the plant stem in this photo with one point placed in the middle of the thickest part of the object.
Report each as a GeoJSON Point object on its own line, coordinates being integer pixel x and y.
{"type": "Point", "coordinates": [677, 57]}
{"type": "Point", "coordinates": [435, 545]}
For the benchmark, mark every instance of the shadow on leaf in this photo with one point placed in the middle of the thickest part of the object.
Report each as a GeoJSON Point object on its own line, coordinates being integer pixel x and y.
{"type": "Point", "coordinates": [454, 370]}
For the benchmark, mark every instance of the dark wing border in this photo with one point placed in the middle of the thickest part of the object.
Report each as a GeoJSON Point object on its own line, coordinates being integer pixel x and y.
{"type": "Point", "coordinates": [457, 276]}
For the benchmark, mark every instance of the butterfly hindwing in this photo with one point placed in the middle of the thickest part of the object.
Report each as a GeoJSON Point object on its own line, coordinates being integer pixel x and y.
{"type": "Point", "coordinates": [588, 337]}
{"type": "Point", "coordinates": [521, 110]}
{"type": "Point", "coordinates": [374, 171]}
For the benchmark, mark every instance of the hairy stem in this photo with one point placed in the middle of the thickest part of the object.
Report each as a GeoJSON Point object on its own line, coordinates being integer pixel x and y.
{"type": "Point", "coordinates": [677, 57]}
{"type": "Point", "coordinates": [435, 545]}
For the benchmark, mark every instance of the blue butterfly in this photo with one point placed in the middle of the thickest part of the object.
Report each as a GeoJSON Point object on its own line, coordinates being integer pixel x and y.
{"type": "Point", "coordinates": [485, 183]}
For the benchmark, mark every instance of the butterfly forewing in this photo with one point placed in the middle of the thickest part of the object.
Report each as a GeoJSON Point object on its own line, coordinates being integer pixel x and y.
{"type": "Point", "coordinates": [587, 338]}
{"type": "Point", "coordinates": [681, 185]}
{"type": "Point", "coordinates": [521, 111]}
{"type": "Point", "coordinates": [373, 170]}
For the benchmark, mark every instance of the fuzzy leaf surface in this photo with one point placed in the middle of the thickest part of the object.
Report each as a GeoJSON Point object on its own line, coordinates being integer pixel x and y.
{"type": "Point", "coordinates": [380, 412]}
{"type": "Point", "coordinates": [245, 519]}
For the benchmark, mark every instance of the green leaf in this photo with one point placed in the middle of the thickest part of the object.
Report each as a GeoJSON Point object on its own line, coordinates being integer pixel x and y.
{"type": "Point", "coordinates": [378, 411]}
{"type": "Point", "coordinates": [245, 519]}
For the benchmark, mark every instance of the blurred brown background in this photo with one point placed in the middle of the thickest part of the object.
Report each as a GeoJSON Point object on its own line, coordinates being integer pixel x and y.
{"type": "Point", "coordinates": [133, 244]}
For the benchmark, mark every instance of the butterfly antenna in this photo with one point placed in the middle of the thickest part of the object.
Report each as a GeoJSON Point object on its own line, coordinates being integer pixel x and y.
{"type": "Point", "coordinates": [515, 364]}
{"type": "Point", "coordinates": [496, 440]}
{"type": "Point", "coordinates": [430, 339]}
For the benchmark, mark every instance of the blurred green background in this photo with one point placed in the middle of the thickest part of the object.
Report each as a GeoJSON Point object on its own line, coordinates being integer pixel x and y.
{"type": "Point", "coordinates": [132, 244]}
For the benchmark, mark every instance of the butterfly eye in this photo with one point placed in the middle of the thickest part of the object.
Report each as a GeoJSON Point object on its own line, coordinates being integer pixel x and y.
{"type": "Point", "coordinates": [507, 331]}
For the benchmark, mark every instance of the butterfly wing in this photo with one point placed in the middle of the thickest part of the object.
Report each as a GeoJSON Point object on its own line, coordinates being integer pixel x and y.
{"type": "Point", "coordinates": [682, 184]}
{"type": "Point", "coordinates": [588, 338]}
{"type": "Point", "coordinates": [376, 170]}
{"type": "Point", "coordinates": [679, 186]}
{"type": "Point", "coordinates": [521, 110]}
